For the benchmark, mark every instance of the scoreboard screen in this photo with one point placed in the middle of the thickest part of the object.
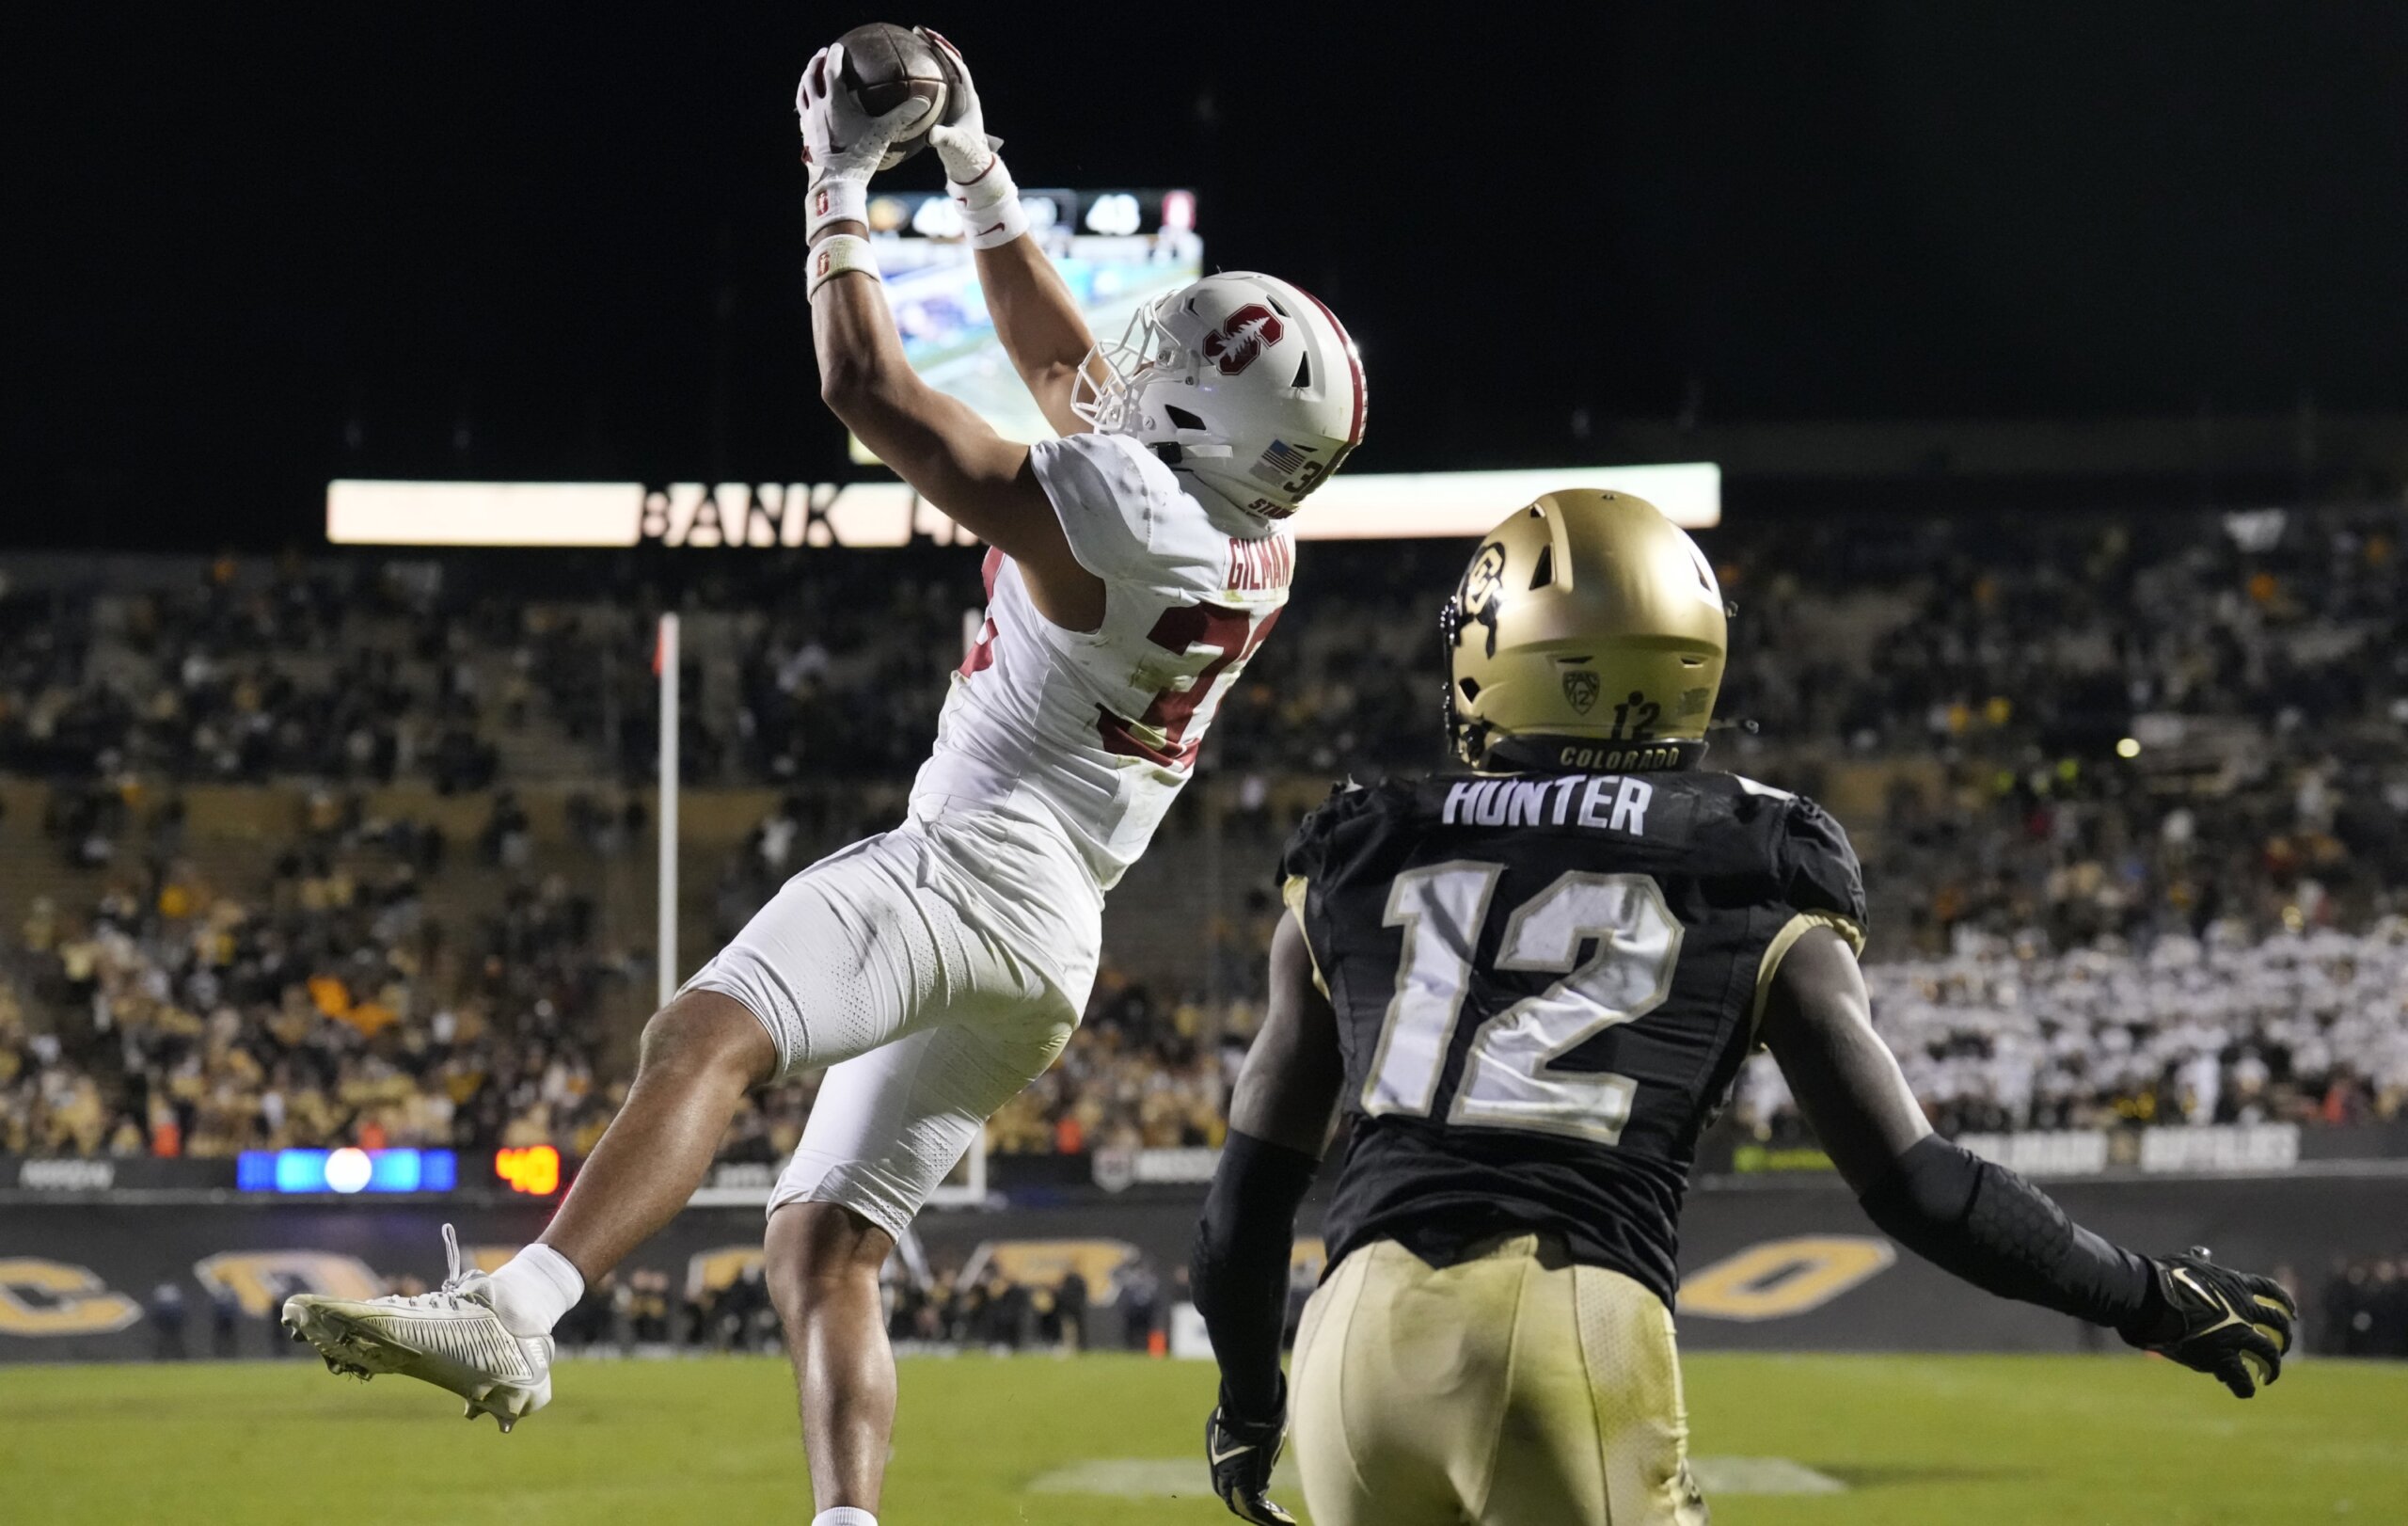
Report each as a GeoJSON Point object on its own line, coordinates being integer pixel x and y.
{"type": "Point", "coordinates": [1116, 250]}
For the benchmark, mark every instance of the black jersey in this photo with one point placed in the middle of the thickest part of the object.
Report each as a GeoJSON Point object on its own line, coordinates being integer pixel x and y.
{"type": "Point", "coordinates": [1544, 987]}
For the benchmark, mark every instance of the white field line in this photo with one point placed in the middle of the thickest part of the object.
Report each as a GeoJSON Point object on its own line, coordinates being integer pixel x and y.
{"type": "Point", "coordinates": [1155, 1478]}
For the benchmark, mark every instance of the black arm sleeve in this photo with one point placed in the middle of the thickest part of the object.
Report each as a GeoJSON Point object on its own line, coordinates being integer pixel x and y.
{"type": "Point", "coordinates": [1240, 1266]}
{"type": "Point", "coordinates": [1984, 1223]}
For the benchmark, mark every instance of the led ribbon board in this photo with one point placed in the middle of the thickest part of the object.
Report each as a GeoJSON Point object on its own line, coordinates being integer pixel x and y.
{"type": "Point", "coordinates": [1351, 507]}
{"type": "Point", "coordinates": [346, 1171]}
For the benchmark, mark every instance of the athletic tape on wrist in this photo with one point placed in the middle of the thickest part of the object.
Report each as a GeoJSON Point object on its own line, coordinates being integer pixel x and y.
{"type": "Point", "coordinates": [838, 253]}
{"type": "Point", "coordinates": [833, 201]}
{"type": "Point", "coordinates": [991, 215]}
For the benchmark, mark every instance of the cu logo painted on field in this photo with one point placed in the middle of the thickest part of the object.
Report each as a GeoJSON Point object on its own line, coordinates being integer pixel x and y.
{"type": "Point", "coordinates": [1242, 336]}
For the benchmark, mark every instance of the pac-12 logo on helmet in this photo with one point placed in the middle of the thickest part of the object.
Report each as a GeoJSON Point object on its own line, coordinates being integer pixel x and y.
{"type": "Point", "coordinates": [1241, 383]}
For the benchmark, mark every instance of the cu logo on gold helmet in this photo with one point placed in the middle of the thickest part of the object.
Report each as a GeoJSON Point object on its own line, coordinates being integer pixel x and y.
{"type": "Point", "coordinates": [1483, 580]}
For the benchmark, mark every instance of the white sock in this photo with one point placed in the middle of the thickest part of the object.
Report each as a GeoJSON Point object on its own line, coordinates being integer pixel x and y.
{"type": "Point", "coordinates": [844, 1515]}
{"type": "Point", "coordinates": [535, 1289]}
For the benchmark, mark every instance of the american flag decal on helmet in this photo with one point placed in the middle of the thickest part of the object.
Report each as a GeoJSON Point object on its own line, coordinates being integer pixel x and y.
{"type": "Point", "coordinates": [1286, 459]}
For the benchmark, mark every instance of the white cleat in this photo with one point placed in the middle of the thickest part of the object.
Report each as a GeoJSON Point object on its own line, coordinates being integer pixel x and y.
{"type": "Point", "coordinates": [451, 1338]}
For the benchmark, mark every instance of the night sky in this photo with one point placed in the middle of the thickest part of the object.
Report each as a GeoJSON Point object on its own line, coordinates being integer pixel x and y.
{"type": "Point", "coordinates": [246, 254]}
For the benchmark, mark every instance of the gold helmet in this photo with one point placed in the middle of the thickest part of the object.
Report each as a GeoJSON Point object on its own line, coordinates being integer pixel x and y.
{"type": "Point", "coordinates": [1588, 633]}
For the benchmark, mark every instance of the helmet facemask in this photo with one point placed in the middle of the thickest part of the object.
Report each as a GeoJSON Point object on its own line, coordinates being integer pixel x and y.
{"type": "Point", "coordinates": [1108, 401]}
{"type": "Point", "coordinates": [1109, 391]}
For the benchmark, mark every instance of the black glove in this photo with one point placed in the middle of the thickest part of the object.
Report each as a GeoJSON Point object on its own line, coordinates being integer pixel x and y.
{"type": "Point", "coordinates": [2229, 1324]}
{"type": "Point", "coordinates": [1243, 1452]}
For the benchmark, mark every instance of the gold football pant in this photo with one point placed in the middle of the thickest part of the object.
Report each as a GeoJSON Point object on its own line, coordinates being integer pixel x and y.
{"type": "Point", "coordinates": [1513, 1388]}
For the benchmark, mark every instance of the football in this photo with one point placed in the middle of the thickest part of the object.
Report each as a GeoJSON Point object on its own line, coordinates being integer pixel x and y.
{"type": "Point", "coordinates": [886, 65]}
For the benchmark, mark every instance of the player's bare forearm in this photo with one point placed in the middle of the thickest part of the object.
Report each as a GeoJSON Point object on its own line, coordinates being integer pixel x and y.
{"type": "Point", "coordinates": [1039, 324]}
{"type": "Point", "coordinates": [863, 379]}
{"type": "Point", "coordinates": [1818, 1024]}
{"type": "Point", "coordinates": [1287, 1091]}
{"type": "Point", "coordinates": [933, 441]}
{"type": "Point", "coordinates": [861, 359]}
{"type": "Point", "coordinates": [949, 455]}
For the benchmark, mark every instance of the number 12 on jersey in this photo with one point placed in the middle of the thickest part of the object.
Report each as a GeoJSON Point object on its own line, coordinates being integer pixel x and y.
{"type": "Point", "coordinates": [1509, 1079]}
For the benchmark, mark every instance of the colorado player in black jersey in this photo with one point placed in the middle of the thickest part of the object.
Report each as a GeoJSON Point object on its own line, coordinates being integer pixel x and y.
{"type": "Point", "coordinates": [1529, 986]}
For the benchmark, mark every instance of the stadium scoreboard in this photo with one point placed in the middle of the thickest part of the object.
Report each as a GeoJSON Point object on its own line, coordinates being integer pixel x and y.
{"type": "Point", "coordinates": [1116, 250]}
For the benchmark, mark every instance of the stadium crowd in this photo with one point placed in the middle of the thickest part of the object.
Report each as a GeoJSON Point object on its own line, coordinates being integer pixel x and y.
{"type": "Point", "coordinates": [324, 1004]}
{"type": "Point", "coordinates": [1931, 633]}
{"type": "Point", "coordinates": [2300, 1027]}
{"type": "Point", "coordinates": [2138, 852]}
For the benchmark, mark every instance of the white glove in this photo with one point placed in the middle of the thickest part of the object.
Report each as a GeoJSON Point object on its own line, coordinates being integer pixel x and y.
{"type": "Point", "coordinates": [981, 187]}
{"type": "Point", "coordinates": [840, 142]}
{"type": "Point", "coordinates": [963, 144]}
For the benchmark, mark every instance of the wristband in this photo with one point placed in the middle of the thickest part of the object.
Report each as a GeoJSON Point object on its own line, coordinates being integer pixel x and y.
{"type": "Point", "coordinates": [991, 215]}
{"type": "Point", "coordinates": [833, 199]}
{"type": "Point", "coordinates": [838, 253]}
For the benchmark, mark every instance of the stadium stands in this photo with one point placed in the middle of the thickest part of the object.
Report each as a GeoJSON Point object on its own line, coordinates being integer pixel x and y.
{"type": "Point", "coordinates": [2126, 792]}
{"type": "Point", "coordinates": [2301, 1027]}
{"type": "Point", "coordinates": [322, 1002]}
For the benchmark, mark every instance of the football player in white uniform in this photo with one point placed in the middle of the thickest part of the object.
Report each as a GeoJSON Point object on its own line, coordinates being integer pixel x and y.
{"type": "Point", "coordinates": [936, 969]}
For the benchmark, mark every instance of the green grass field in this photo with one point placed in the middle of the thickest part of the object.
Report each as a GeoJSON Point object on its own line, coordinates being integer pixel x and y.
{"type": "Point", "coordinates": [1980, 1440]}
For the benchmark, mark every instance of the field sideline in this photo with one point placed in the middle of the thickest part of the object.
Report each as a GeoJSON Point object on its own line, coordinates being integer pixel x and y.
{"type": "Point", "coordinates": [1994, 1440]}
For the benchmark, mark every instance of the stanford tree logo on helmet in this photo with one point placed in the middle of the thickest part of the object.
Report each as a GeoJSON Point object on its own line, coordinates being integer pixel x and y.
{"type": "Point", "coordinates": [1241, 337]}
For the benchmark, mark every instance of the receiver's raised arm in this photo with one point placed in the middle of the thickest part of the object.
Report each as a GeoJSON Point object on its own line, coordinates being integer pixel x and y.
{"type": "Point", "coordinates": [1035, 318]}
{"type": "Point", "coordinates": [949, 455]}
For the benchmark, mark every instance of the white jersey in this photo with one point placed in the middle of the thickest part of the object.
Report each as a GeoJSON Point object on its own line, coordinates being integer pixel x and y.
{"type": "Point", "coordinates": [1098, 730]}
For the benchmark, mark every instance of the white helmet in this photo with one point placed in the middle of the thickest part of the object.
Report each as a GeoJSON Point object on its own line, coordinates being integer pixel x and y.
{"type": "Point", "coordinates": [1241, 382]}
